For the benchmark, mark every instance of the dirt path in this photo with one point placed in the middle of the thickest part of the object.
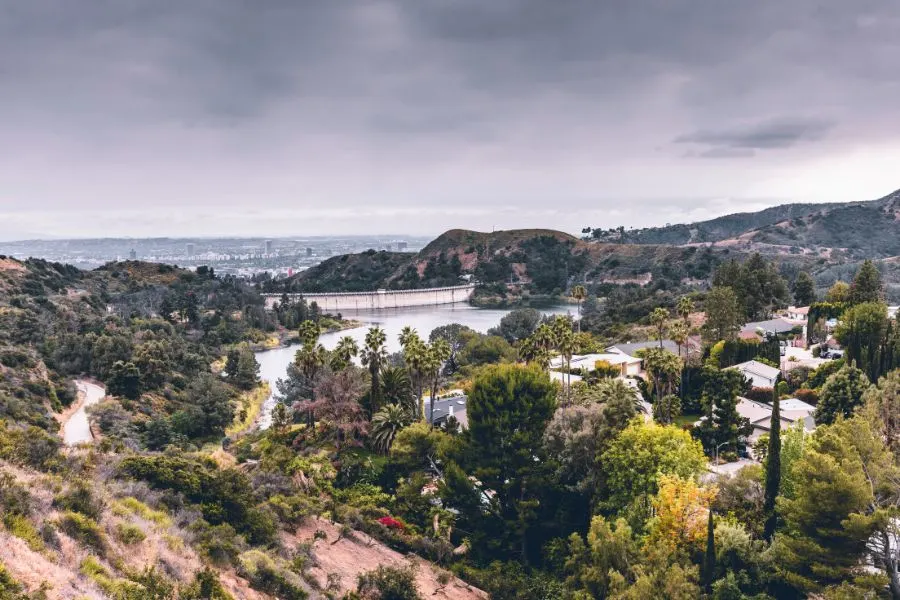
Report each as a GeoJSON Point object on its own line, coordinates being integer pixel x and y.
{"type": "Point", "coordinates": [75, 428]}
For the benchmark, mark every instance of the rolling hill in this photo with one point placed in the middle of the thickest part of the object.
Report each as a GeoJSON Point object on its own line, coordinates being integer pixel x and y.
{"type": "Point", "coordinates": [855, 229]}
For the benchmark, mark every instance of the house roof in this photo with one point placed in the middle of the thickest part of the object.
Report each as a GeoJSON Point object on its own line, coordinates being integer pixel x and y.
{"type": "Point", "coordinates": [632, 347]}
{"type": "Point", "coordinates": [587, 361]}
{"type": "Point", "coordinates": [792, 404]}
{"type": "Point", "coordinates": [754, 367]}
{"type": "Point", "coordinates": [774, 325]}
{"type": "Point", "coordinates": [753, 411]}
{"type": "Point", "coordinates": [443, 408]}
{"type": "Point", "coordinates": [800, 310]}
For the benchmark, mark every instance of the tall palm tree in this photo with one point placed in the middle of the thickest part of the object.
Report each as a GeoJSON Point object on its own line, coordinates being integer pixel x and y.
{"type": "Point", "coordinates": [579, 294]}
{"type": "Point", "coordinates": [386, 424]}
{"type": "Point", "coordinates": [679, 333]}
{"type": "Point", "coordinates": [344, 352]}
{"type": "Point", "coordinates": [658, 319]}
{"type": "Point", "coordinates": [684, 307]}
{"type": "Point", "coordinates": [564, 339]}
{"type": "Point", "coordinates": [436, 355]}
{"type": "Point", "coordinates": [415, 355]}
{"type": "Point", "coordinates": [373, 357]}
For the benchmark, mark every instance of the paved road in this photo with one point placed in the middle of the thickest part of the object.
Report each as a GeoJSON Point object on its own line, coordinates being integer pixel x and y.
{"type": "Point", "coordinates": [77, 429]}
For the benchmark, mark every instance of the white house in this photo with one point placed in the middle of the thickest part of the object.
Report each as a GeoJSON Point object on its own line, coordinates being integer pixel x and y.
{"type": "Point", "coordinates": [797, 313]}
{"type": "Point", "coordinates": [762, 375]}
{"type": "Point", "coordinates": [760, 415]}
{"type": "Point", "coordinates": [628, 365]}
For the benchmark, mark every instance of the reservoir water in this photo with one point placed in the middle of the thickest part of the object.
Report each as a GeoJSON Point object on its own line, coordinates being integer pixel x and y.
{"type": "Point", "coordinates": [273, 363]}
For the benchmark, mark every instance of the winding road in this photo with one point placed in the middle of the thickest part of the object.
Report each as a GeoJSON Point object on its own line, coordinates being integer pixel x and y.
{"type": "Point", "coordinates": [76, 429]}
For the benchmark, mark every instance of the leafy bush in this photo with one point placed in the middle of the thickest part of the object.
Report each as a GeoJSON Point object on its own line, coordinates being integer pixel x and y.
{"type": "Point", "coordinates": [130, 534]}
{"type": "Point", "coordinates": [205, 586]}
{"type": "Point", "coordinates": [22, 527]}
{"type": "Point", "coordinates": [83, 529]}
{"type": "Point", "coordinates": [388, 583]}
{"type": "Point", "coordinates": [222, 495]}
{"type": "Point", "coordinates": [807, 395]}
{"type": "Point", "coordinates": [81, 499]}
{"type": "Point", "coordinates": [31, 447]}
{"type": "Point", "coordinates": [219, 543]}
{"type": "Point", "coordinates": [266, 575]}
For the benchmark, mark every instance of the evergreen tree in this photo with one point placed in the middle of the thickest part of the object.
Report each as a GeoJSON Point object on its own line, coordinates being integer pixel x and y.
{"type": "Point", "coordinates": [804, 289]}
{"type": "Point", "coordinates": [709, 559]}
{"type": "Point", "coordinates": [866, 285]}
{"type": "Point", "coordinates": [723, 314]}
{"type": "Point", "coordinates": [723, 425]}
{"type": "Point", "coordinates": [841, 394]}
{"type": "Point", "coordinates": [508, 410]}
{"type": "Point", "coordinates": [124, 380]}
{"type": "Point", "coordinates": [773, 469]}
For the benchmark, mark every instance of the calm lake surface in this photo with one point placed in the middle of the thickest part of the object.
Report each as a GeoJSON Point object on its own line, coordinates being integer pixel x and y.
{"type": "Point", "coordinates": [273, 363]}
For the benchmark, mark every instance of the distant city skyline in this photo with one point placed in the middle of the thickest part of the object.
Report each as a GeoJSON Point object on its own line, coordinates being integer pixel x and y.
{"type": "Point", "coordinates": [164, 117]}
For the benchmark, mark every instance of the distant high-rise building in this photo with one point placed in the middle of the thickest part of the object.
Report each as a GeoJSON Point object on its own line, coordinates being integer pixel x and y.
{"type": "Point", "coordinates": [388, 247]}
{"type": "Point", "coordinates": [309, 251]}
{"type": "Point", "coordinates": [268, 246]}
{"type": "Point", "coordinates": [190, 249]}
{"type": "Point", "coordinates": [401, 246]}
{"type": "Point", "coordinates": [132, 255]}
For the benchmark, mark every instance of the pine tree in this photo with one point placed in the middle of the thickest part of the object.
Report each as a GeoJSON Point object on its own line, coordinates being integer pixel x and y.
{"type": "Point", "coordinates": [804, 289]}
{"type": "Point", "coordinates": [709, 559]}
{"type": "Point", "coordinates": [773, 470]}
{"type": "Point", "coordinates": [866, 285]}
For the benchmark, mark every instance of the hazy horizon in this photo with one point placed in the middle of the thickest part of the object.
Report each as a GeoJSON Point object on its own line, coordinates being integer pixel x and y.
{"type": "Point", "coordinates": [276, 118]}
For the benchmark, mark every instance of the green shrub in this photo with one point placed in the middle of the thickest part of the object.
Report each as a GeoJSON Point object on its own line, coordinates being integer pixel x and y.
{"type": "Point", "coordinates": [219, 543]}
{"type": "Point", "coordinates": [10, 589]}
{"type": "Point", "coordinates": [130, 534]}
{"type": "Point", "coordinates": [266, 575]}
{"type": "Point", "coordinates": [22, 527]}
{"type": "Point", "coordinates": [130, 505]}
{"type": "Point", "coordinates": [84, 530]}
{"type": "Point", "coordinates": [81, 499]}
{"type": "Point", "coordinates": [389, 583]}
{"type": "Point", "coordinates": [222, 495]}
{"type": "Point", "coordinates": [205, 586]}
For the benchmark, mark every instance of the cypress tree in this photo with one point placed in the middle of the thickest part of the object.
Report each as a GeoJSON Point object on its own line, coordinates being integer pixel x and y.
{"type": "Point", "coordinates": [709, 559]}
{"type": "Point", "coordinates": [773, 469]}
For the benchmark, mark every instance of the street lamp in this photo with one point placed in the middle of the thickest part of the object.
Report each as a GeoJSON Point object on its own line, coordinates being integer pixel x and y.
{"type": "Point", "coordinates": [717, 451]}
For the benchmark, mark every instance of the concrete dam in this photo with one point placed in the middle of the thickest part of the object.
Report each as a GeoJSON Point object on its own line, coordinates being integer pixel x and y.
{"type": "Point", "coordinates": [381, 299]}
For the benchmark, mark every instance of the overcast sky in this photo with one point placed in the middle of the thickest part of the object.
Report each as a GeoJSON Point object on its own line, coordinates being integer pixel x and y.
{"type": "Point", "coordinates": [281, 117]}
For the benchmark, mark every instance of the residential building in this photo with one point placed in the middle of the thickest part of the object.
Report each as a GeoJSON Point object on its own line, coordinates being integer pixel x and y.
{"type": "Point", "coordinates": [760, 374]}
{"type": "Point", "coordinates": [760, 416]}
{"type": "Point", "coordinates": [628, 365]}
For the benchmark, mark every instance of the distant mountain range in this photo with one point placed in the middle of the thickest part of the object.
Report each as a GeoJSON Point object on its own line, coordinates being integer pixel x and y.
{"type": "Point", "coordinates": [869, 229]}
{"type": "Point", "coordinates": [829, 240]}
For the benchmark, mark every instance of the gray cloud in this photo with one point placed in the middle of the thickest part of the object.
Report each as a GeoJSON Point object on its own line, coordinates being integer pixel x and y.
{"type": "Point", "coordinates": [768, 135]}
{"type": "Point", "coordinates": [294, 106]}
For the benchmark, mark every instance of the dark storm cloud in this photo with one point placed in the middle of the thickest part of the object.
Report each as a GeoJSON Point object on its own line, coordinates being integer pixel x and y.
{"type": "Point", "coordinates": [423, 103]}
{"type": "Point", "coordinates": [768, 135]}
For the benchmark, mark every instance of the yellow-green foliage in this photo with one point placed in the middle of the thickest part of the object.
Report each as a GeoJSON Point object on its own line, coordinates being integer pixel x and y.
{"type": "Point", "coordinates": [129, 505]}
{"type": "Point", "coordinates": [120, 589]}
{"type": "Point", "coordinates": [130, 534]}
{"type": "Point", "coordinates": [83, 529]}
{"type": "Point", "coordinates": [252, 402]}
{"type": "Point", "coordinates": [22, 527]}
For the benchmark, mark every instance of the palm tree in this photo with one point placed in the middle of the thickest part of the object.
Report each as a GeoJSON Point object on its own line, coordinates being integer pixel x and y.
{"type": "Point", "coordinates": [436, 355]}
{"type": "Point", "coordinates": [373, 356]}
{"type": "Point", "coordinates": [679, 333]}
{"type": "Point", "coordinates": [343, 352]}
{"type": "Point", "coordinates": [397, 388]}
{"type": "Point", "coordinates": [386, 424]}
{"type": "Point", "coordinates": [579, 294]}
{"type": "Point", "coordinates": [415, 355]}
{"type": "Point", "coordinates": [615, 390]}
{"type": "Point", "coordinates": [684, 308]}
{"type": "Point", "coordinates": [538, 347]}
{"type": "Point", "coordinates": [565, 345]}
{"type": "Point", "coordinates": [658, 319]}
